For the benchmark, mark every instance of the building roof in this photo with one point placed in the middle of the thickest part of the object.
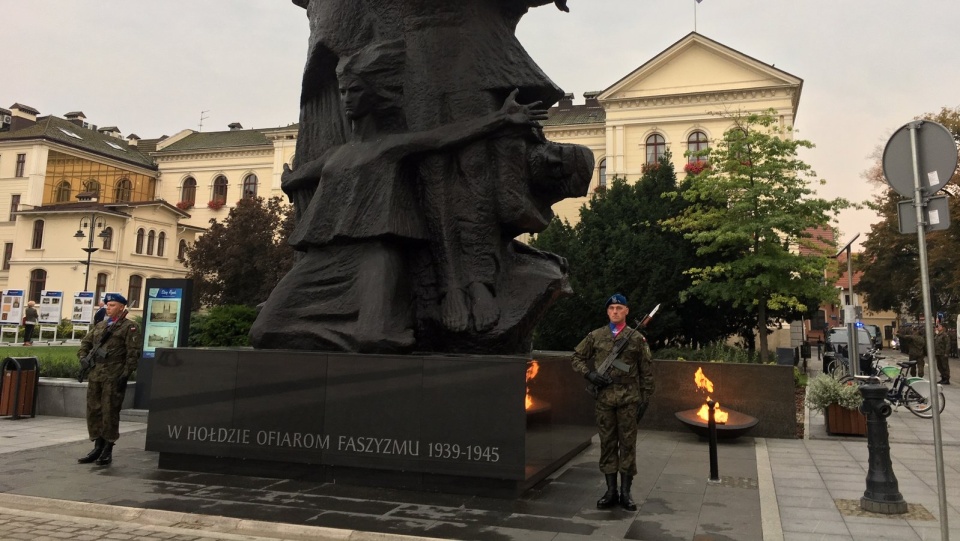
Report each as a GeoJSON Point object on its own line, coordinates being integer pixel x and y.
{"type": "Point", "coordinates": [25, 108]}
{"type": "Point", "coordinates": [575, 114]}
{"type": "Point", "coordinates": [67, 133]}
{"type": "Point", "coordinates": [219, 139]}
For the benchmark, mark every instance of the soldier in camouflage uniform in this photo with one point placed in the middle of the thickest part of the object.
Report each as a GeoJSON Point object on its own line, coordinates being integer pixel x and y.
{"type": "Point", "coordinates": [622, 398]}
{"type": "Point", "coordinates": [941, 345]}
{"type": "Point", "coordinates": [915, 347]}
{"type": "Point", "coordinates": [108, 379]}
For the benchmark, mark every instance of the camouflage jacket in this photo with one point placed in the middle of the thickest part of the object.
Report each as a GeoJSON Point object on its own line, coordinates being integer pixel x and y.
{"type": "Point", "coordinates": [591, 352]}
{"type": "Point", "coordinates": [122, 347]}
{"type": "Point", "coordinates": [916, 345]}
{"type": "Point", "coordinates": [941, 343]}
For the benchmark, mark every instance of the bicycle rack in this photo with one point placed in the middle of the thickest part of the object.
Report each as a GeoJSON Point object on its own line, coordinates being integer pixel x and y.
{"type": "Point", "coordinates": [20, 364]}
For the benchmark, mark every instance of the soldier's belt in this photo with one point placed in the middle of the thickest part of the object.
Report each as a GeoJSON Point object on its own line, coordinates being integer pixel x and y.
{"type": "Point", "coordinates": [623, 380]}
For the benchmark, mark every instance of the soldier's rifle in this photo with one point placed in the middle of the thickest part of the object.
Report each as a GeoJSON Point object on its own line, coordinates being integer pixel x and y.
{"type": "Point", "coordinates": [618, 347]}
{"type": "Point", "coordinates": [97, 353]}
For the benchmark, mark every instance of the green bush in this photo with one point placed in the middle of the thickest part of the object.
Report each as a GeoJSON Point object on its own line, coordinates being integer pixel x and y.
{"type": "Point", "coordinates": [222, 326]}
{"type": "Point", "coordinates": [826, 389]}
{"type": "Point", "coordinates": [713, 353]}
{"type": "Point", "coordinates": [55, 361]}
{"type": "Point", "coordinates": [65, 328]}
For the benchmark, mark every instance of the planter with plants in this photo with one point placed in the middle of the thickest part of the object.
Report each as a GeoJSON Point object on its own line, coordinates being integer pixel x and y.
{"type": "Point", "coordinates": [839, 403]}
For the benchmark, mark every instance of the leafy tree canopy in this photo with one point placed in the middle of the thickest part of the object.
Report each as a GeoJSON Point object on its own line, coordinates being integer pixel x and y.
{"type": "Point", "coordinates": [240, 260]}
{"type": "Point", "coordinates": [753, 210]}
{"type": "Point", "coordinates": [891, 261]}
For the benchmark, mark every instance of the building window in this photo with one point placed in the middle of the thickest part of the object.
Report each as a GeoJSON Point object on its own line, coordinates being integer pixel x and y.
{"type": "Point", "coordinates": [101, 287]}
{"type": "Point", "coordinates": [14, 206]}
{"type": "Point", "coordinates": [220, 190]}
{"type": "Point", "coordinates": [602, 173]}
{"type": "Point", "coordinates": [37, 235]}
{"type": "Point", "coordinates": [7, 255]}
{"type": "Point", "coordinates": [21, 163]}
{"type": "Point", "coordinates": [250, 186]}
{"type": "Point", "coordinates": [107, 237]}
{"type": "Point", "coordinates": [182, 250]}
{"type": "Point", "coordinates": [188, 192]}
{"type": "Point", "coordinates": [161, 243]}
{"type": "Point", "coordinates": [133, 292]}
{"type": "Point", "coordinates": [151, 239]}
{"type": "Point", "coordinates": [92, 186]}
{"type": "Point", "coordinates": [656, 148]}
{"type": "Point", "coordinates": [38, 282]}
{"type": "Point", "coordinates": [62, 193]}
{"type": "Point", "coordinates": [140, 235]}
{"type": "Point", "coordinates": [696, 143]}
{"type": "Point", "coordinates": [123, 191]}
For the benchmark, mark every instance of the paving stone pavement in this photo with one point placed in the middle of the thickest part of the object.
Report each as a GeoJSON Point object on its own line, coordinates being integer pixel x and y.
{"type": "Point", "coordinates": [770, 489]}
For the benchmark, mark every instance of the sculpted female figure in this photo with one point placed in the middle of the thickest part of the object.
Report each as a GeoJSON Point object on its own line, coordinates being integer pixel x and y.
{"type": "Point", "coordinates": [352, 290]}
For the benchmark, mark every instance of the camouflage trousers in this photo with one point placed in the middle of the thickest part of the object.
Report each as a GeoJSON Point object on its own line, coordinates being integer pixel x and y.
{"type": "Point", "coordinates": [917, 369]}
{"type": "Point", "coordinates": [616, 412]}
{"type": "Point", "coordinates": [943, 367]}
{"type": "Point", "coordinates": [104, 399]}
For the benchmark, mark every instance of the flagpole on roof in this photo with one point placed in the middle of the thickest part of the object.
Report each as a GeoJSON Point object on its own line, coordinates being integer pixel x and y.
{"type": "Point", "coordinates": [695, 2]}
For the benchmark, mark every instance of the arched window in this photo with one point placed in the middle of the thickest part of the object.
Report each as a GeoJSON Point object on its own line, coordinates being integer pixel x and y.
{"type": "Point", "coordinates": [134, 291]}
{"type": "Point", "coordinates": [220, 190]}
{"type": "Point", "coordinates": [101, 287]}
{"type": "Point", "coordinates": [656, 148]}
{"type": "Point", "coordinates": [696, 142]}
{"type": "Point", "coordinates": [140, 235]}
{"type": "Point", "coordinates": [188, 191]}
{"type": "Point", "coordinates": [92, 186]}
{"type": "Point", "coordinates": [62, 193]}
{"type": "Point", "coordinates": [107, 237]}
{"type": "Point", "coordinates": [182, 250]}
{"type": "Point", "coordinates": [38, 282]}
{"type": "Point", "coordinates": [124, 190]}
{"type": "Point", "coordinates": [151, 239]}
{"type": "Point", "coordinates": [37, 235]}
{"type": "Point", "coordinates": [250, 186]}
{"type": "Point", "coordinates": [161, 243]}
{"type": "Point", "coordinates": [602, 172]}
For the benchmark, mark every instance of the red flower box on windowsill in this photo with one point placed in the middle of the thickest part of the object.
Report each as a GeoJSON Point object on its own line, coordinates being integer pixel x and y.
{"type": "Point", "coordinates": [215, 205]}
{"type": "Point", "coordinates": [695, 168]}
{"type": "Point", "coordinates": [184, 205]}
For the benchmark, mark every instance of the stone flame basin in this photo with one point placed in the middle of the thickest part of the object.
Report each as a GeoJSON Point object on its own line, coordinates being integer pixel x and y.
{"type": "Point", "coordinates": [737, 424]}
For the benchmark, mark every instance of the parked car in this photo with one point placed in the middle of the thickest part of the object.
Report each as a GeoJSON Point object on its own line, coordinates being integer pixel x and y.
{"type": "Point", "coordinates": [876, 335]}
{"type": "Point", "coordinates": [836, 343]}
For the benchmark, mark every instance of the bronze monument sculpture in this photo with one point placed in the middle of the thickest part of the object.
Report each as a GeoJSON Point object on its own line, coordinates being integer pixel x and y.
{"type": "Point", "coordinates": [419, 160]}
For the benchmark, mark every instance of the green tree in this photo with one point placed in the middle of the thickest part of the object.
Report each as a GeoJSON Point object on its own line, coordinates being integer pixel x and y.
{"type": "Point", "coordinates": [752, 212]}
{"type": "Point", "coordinates": [619, 245]}
{"type": "Point", "coordinates": [240, 260]}
{"type": "Point", "coordinates": [891, 261]}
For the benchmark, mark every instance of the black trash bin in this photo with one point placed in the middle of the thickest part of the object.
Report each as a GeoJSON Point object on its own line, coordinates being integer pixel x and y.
{"type": "Point", "coordinates": [18, 390]}
{"type": "Point", "coordinates": [785, 356]}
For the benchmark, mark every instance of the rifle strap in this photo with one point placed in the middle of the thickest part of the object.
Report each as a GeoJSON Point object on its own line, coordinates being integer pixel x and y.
{"type": "Point", "coordinates": [619, 344]}
{"type": "Point", "coordinates": [110, 329]}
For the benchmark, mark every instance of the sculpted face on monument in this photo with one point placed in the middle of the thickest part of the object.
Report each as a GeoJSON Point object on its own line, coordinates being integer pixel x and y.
{"type": "Point", "coordinates": [419, 161]}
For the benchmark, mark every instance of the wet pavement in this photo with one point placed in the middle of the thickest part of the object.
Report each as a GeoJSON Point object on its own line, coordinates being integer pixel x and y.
{"type": "Point", "coordinates": [768, 489]}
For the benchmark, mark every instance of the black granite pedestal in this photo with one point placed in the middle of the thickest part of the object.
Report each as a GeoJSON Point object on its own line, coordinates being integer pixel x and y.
{"type": "Point", "coordinates": [426, 422]}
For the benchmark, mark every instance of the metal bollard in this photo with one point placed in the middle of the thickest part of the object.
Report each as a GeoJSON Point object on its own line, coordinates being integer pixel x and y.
{"type": "Point", "coordinates": [883, 491]}
{"type": "Point", "coordinates": [712, 427]}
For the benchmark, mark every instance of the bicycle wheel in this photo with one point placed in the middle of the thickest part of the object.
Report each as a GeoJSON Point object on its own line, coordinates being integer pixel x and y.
{"type": "Point", "coordinates": [916, 397]}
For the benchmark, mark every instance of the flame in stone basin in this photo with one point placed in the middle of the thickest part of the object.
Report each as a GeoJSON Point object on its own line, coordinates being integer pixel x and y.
{"type": "Point", "coordinates": [705, 385]}
{"type": "Point", "coordinates": [532, 368]}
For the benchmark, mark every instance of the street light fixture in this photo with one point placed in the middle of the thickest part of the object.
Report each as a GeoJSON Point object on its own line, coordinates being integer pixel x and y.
{"type": "Point", "coordinates": [93, 222]}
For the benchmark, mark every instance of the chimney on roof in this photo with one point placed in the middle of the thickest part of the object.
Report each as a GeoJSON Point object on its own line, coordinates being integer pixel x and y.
{"type": "Point", "coordinates": [234, 126]}
{"type": "Point", "coordinates": [76, 117]}
{"type": "Point", "coordinates": [111, 131]}
{"type": "Point", "coordinates": [132, 139]}
{"type": "Point", "coordinates": [22, 116]}
{"type": "Point", "coordinates": [591, 98]}
{"type": "Point", "coordinates": [566, 102]}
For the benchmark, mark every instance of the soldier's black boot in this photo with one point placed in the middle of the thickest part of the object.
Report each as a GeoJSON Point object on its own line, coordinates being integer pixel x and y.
{"type": "Point", "coordinates": [626, 501]}
{"type": "Point", "coordinates": [95, 454]}
{"type": "Point", "coordinates": [609, 498]}
{"type": "Point", "coordinates": [106, 456]}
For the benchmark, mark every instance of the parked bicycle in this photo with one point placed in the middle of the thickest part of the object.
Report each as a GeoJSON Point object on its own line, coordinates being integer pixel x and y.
{"type": "Point", "coordinates": [903, 390]}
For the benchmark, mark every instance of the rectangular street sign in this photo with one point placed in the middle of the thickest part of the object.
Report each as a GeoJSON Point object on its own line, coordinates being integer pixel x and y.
{"type": "Point", "coordinates": [938, 215]}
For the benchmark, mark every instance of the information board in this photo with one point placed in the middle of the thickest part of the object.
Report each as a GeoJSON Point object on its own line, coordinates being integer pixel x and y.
{"type": "Point", "coordinates": [11, 307]}
{"type": "Point", "coordinates": [162, 319]}
{"type": "Point", "coordinates": [51, 307]}
{"type": "Point", "coordinates": [82, 307]}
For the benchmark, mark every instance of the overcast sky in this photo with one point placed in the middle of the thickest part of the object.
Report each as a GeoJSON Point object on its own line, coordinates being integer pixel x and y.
{"type": "Point", "coordinates": [151, 68]}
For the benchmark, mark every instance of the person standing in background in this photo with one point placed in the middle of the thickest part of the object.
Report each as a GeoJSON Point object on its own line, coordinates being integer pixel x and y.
{"type": "Point", "coordinates": [30, 319]}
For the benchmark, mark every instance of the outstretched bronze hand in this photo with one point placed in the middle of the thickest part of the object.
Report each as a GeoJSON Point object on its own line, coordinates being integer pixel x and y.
{"type": "Point", "coordinates": [517, 113]}
{"type": "Point", "coordinates": [562, 5]}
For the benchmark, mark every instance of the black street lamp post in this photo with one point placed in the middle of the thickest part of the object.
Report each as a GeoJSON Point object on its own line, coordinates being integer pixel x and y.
{"type": "Point", "coordinates": [93, 222]}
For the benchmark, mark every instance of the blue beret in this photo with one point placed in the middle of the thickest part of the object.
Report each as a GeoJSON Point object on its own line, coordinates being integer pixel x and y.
{"type": "Point", "coordinates": [115, 297]}
{"type": "Point", "coordinates": [617, 298]}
